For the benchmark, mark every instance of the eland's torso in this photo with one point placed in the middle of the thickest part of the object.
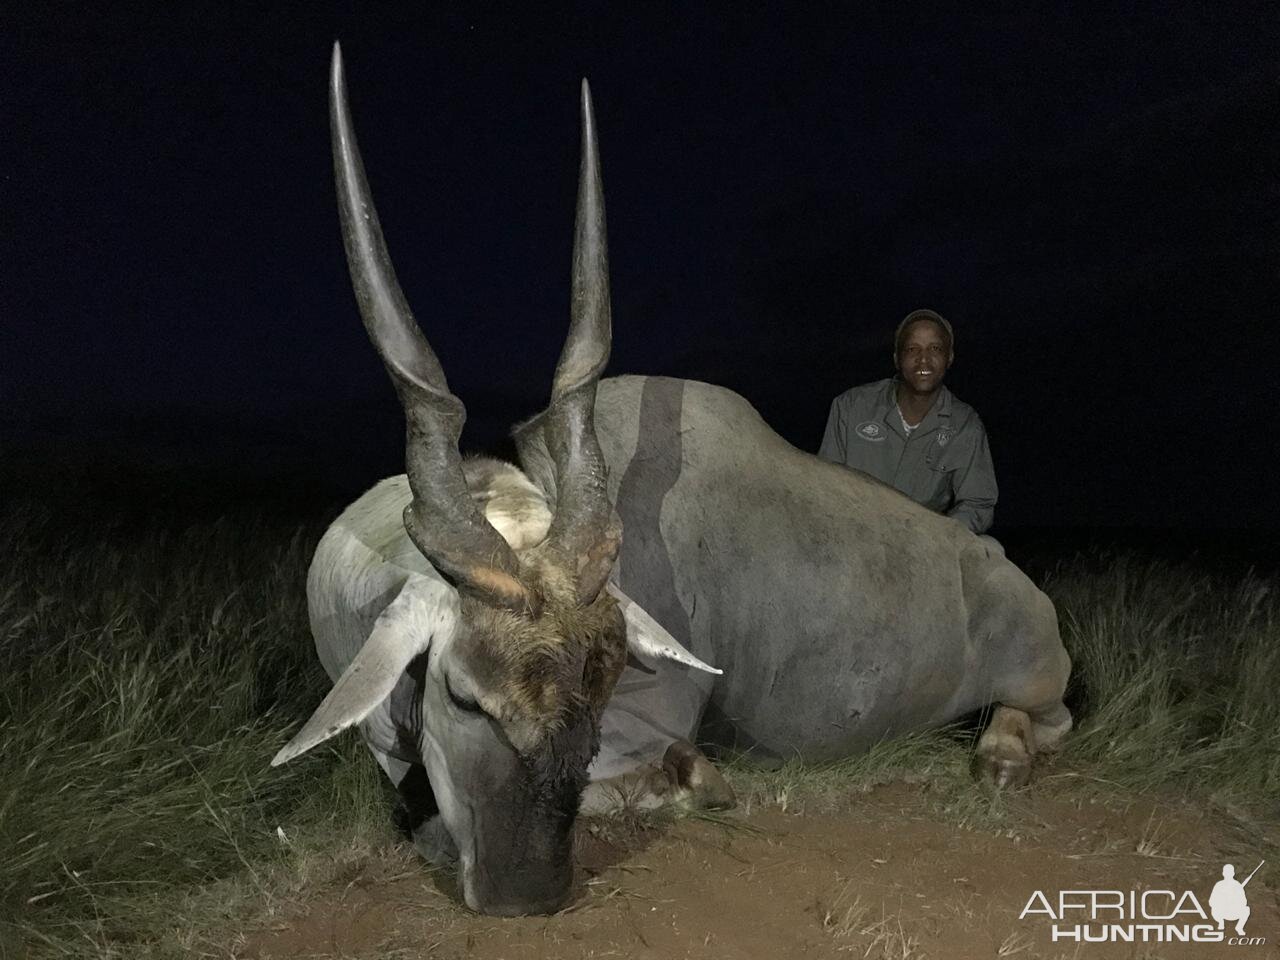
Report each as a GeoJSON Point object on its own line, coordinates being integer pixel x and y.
{"type": "Point", "coordinates": [835, 606]}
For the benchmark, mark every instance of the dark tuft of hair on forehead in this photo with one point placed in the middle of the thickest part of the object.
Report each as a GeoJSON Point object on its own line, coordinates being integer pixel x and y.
{"type": "Point", "coordinates": [558, 666]}
{"type": "Point", "coordinates": [558, 769]}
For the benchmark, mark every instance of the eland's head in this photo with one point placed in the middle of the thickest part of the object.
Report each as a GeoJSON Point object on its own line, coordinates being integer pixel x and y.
{"type": "Point", "coordinates": [495, 659]}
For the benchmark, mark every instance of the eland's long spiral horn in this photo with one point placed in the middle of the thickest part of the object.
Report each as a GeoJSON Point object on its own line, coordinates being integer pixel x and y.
{"type": "Point", "coordinates": [585, 526]}
{"type": "Point", "coordinates": [443, 520]}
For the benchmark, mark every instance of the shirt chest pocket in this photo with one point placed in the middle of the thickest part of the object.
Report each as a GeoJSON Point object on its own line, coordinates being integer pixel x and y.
{"type": "Point", "coordinates": [936, 459]}
{"type": "Point", "coordinates": [937, 475]}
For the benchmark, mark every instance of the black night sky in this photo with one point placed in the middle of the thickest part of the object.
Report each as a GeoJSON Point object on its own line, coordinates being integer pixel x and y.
{"type": "Point", "coordinates": [1089, 194]}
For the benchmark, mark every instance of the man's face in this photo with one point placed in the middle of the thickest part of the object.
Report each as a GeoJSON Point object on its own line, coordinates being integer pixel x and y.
{"type": "Point", "coordinates": [924, 356]}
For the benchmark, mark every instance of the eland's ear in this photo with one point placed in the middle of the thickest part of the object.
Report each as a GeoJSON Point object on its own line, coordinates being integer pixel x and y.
{"type": "Point", "coordinates": [425, 611]}
{"type": "Point", "coordinates": [648, 638]}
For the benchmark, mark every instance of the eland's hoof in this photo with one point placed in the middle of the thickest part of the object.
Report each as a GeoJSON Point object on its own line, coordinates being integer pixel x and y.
{"type": "Point", "coordinates": [1002, 771]}
{"type": "Point", "coordinates": [434, 843]}
{"type": "Point", "coordinates": [645, 788]}
{"type": "Point", "coordinates": [688, 769]}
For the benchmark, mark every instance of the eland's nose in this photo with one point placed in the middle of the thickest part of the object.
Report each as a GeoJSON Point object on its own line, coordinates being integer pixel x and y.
{"type": "Point", "coordinates": [511, 896]}
{"type": "Point", "coordinates": [524, 909]}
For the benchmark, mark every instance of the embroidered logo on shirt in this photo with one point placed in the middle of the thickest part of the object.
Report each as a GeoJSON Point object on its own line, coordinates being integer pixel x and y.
{"type": "Point", "coordinates": [944, 437]}
{"type": "Point", "coordinates": [870, 430]}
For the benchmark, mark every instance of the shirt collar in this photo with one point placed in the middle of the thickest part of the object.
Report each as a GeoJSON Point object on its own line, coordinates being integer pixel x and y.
{"type": "Point", "coordinates": [939, 414]}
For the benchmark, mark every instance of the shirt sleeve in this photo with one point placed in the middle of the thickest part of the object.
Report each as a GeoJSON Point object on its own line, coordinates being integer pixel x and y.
{"type": "Point", "coordinates": [974, 486]}
{"type": "Point", "coordinates": [833, 447]}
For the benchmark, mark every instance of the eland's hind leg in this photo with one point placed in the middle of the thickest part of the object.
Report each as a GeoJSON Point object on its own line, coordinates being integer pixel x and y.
{"type": "Point", "coordinates": [1014, 736]}
{"type": "Point", "coordinates": [1049, 726]}
{"type": "Point", "coordinates": [1031, 672]}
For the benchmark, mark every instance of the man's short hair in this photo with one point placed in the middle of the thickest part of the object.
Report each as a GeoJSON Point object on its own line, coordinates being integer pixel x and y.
{"type": "Point", "coordinates": [923, 314]}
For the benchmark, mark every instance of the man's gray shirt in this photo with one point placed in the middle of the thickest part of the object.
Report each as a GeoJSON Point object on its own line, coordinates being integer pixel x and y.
{"type": "Point", "coordinates": [944, 464]}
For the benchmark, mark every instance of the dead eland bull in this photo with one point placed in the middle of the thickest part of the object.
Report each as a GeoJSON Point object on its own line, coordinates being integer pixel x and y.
{"type": "Point", "coordinates": [477, 619]}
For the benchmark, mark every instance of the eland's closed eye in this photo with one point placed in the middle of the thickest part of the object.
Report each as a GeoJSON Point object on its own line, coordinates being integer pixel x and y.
{"type": "Point", "coordinates": [463, 703]}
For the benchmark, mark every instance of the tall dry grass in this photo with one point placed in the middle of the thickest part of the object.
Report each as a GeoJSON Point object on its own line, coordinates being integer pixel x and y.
{"type": "Point", "coordinates": [146, 677]}
{"type": "Point", "coordinates": [1176, 677]}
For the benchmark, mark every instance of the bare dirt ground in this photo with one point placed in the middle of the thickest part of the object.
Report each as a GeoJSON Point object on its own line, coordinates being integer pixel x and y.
{"type": "Point", "coordinates": [888, 876]}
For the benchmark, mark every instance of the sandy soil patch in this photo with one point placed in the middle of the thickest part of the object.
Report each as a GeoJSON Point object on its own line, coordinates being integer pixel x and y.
{"type": "Point", "coordinates": [885, 877]}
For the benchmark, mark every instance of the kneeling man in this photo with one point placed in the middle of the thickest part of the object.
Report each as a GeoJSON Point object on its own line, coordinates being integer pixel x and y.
{"type": "Point", "coordinates": [910, 432]}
